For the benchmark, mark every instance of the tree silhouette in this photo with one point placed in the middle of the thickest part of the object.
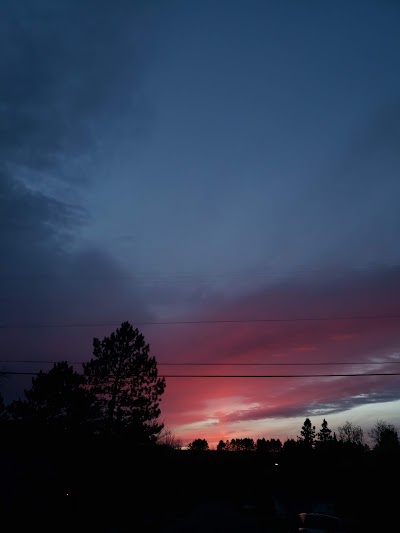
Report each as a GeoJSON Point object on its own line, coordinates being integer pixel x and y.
{"type": "Point", "coordinates": [351, 434]}
{"type": "Point", "coordinates": [235, 445]}
{"type": "Point", "coordinates": [3, 412]}
{"type": "Point", "coordinates": [324, 434]}
{"type": "Point", "coordinates": [385, 437]}
{"type": "Point", "coordinates": [125, 380]}
{"type": "Point", "coordinates": [272, 446]}
{"type": "Point", "coordinates": [199, 445]}
{"type": "Point", "coordinates": [168, 440]}
{"type": "Point", "coordinates": [262, 445]}
{"type": "Point", "coordinates": [244, 444]}
{"type": "Point", "coordinates": [57, 398]}
{"type": "Point", "coordinates": [289, 445]}
{"type": "Point", "coordinates": [221, 445]}
{"type": "Point", "coordinates": [275, 445]}
{"type": "Point", "coordinates": [307, 433]}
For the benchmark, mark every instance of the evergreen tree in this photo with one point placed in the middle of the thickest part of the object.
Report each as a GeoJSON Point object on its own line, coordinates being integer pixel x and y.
{"type": "Point", "coordinates": [57, 399]}
{"type": "Point", "coordinates": [324, 434]}
{"type": "Point", "coordinates": [307, 433]}
{"type": "Point", "coordinates": [125, 380]}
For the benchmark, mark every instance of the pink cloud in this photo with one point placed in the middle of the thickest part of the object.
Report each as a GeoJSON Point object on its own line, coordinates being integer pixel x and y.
{"type": "Point", "coordinates": [300, 344]}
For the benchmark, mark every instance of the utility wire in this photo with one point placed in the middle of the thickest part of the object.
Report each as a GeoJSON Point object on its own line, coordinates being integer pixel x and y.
{"type": "Point", "coordinates": [216, 364]}
{"type": "Point", "coordinates": [193, 276]}
{"type": "Point", "coordinates": [279, 376]}
{"type": "Point", "coordinates": [195, 322]}
{"type": "Point", "coordinates": [219, 376]}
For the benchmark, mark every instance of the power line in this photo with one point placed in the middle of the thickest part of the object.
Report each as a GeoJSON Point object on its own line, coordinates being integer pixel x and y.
{"type": "Point", "coordinates": [220, 376]}
{"type": "Point", "coordinates": [197, 276]}
{"type": "Point", "coordinates": [42, 362]}
{"type": "Point", "coordinates": [279, 375]}
{"type": "Point", "coordinates": [278, 364]}
{"type": "Point", "coordinates": [7, 373]}
{"type": "Point", "coordinates": [32, 361]}
{"type": "Point", "coordinates": [199, 322]}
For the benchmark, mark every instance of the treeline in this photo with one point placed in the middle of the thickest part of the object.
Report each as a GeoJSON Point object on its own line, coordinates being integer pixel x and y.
{"type": "Point", "coordinates": [384, 436]}
{"type": "Point", "coordinates": [118, 394]}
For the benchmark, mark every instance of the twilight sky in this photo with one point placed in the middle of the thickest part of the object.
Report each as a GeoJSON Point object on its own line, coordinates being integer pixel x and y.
{"type": "Point", "coordinates": [232, 167]}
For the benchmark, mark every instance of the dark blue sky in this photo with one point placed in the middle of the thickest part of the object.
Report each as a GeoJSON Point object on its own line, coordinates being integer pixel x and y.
{"type": "Point", "coordinates": [177, 160]}
{"type": "Point", "coordinates": [271, 142]}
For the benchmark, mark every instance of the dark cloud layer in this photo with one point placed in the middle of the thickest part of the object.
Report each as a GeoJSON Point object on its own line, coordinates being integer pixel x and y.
{"type": "Point", "coordinates": [68, 74]}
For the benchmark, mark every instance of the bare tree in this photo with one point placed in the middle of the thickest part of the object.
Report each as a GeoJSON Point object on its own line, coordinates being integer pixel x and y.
{"type": "Point", "coordinates": [167, 439]}
{"type": "Point", "coordinates": [351, 434]}
{"type": "Point", "coordinates": [385, 436]}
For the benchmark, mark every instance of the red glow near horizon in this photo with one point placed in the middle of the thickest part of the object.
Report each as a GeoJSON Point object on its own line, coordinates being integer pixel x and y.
{"type": "Point", "coordinates": [337, 341]}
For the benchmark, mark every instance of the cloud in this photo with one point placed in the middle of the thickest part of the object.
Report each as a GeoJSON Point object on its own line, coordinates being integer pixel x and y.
{"type": "Point", "coordinates": [44, 282]}
{"type": "Point", "coordinates": [367, 345]}
{"type": "Point", "coordinates": [68, 78]}
{"type": "Point", "coordinates": [68, 88]}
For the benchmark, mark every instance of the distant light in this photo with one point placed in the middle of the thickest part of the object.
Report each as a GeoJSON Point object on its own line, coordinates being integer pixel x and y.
{"type": "Point", "coordinates": [276, 464]}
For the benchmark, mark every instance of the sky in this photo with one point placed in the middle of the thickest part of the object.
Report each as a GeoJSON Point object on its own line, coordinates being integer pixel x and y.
{"type": "Point", "coordinates": [223, 175]}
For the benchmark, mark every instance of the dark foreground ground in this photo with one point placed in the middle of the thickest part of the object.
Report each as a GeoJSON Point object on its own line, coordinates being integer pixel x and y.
{"type": "Point", "coordinates": [122, 490]}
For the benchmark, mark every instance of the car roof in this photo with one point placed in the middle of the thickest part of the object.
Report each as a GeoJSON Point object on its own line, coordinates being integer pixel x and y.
{"type": "Point", "coordinates": [321, 521]}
